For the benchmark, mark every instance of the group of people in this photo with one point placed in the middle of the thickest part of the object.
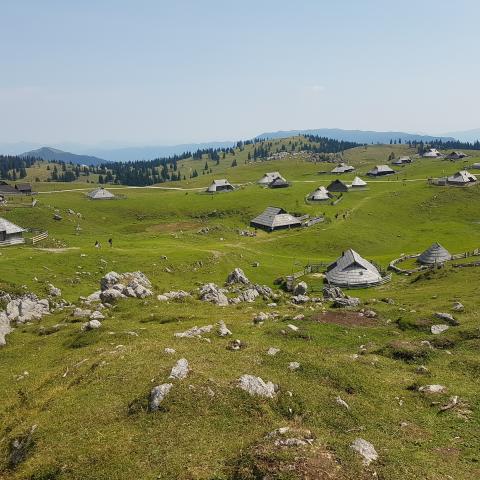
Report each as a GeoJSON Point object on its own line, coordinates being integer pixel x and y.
{"type": "Point", "coordinates": [99, 245]}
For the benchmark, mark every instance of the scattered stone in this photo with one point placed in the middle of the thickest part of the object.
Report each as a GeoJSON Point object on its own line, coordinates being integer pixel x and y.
{"type": "Point", "coordinates": [249, 295]}
{"type": "Point", "coordinates": [91, 325]}
{"type": "Point", "coordinates": [237, 276]}
{"type": "Point", "coordinates": [157, 395]}
{"type": "Point", "coordinates": [293, 366]}
{"type": "Point", "coordinates": [346, 302]}
{"type": "Point", "coordinates": [437, 329]}
{"type": "Point", "coordinates": [179, 295]}
{"type": "Point", "coordinates": [54, 291]}
{"type": "Point", "coordinates": [111, 295]}
{"type": "Point", "coordinates": [342, 403]}
{"type": "Point", "coordinates": [331, 292]}
{"type": "Point", "coordinates": [365, 449]}
{"type": "Point", "coordinates": [446, 317]}
{"type": "Point", "coordinates": [180, 370]}
{"type": "Point", "coordinates": [96, 315]}
{"type": "Point", "coordinates": [299, 317]}
{"type": "Point", "coordinates": [169, 351]}
{"type": "Point", "coordinates": [432, 389]}
{"type": "Point", "coordinates": [223, 331]}
{"type": "Point", "coordinates": [294, 328]}
{"type": "Point", "coordinates": [458, 307]}
{"type": "Point", "coordinates": [261, 317]}
{"type": "Point", "coordinates": [369, 314]}
{"type": "Point", "coordinates": [194, 332]}
{"type": "Point", "coordinates": [236, 345]}
{"type": "Point", "coordinates": [255, 386]}
{"type": "Point", "coordinates": [272, 351]}
{"type": "Point", "coordinates": [300, 299]}
{"type": "Point", "coordinates": [213, 294]}
{"type": "Point", "coordinates": [452, 403]}
{"type": "Point", "coordinates": [80, 313]}
{"type": "Point", "coordinates": [300, 289]}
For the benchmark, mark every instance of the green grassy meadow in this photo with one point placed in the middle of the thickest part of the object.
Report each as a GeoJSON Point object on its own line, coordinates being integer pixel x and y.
{"type": "Point", "coordinates": [86, 391]}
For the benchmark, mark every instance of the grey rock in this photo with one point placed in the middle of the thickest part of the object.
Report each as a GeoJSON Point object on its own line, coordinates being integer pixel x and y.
{"type": "Point", "coordinates": [80, 313]}
{"type": "Point", "coordinates": [300, 289]}
{"type": "Point", "coordinates": [157, 395]}
{"type": "Point", "coordinates": [458, 307]}
{"type": "Point", "coordinates": [180, 370]}
{"type": "Point", "coordinates": [437, 329]}
{"type": "Point", "coordinates": [255, 386]}
{"type": "Point", "coordinates": [432, 389]}
{"type": "Point", "coordinates": [261, 317]}
{"type": "Point", "coordinates": [331, 292]}
{"type": "Point", "coordinates": [446, 317]}
{"type": "Point", "coordinates": [249, 295]}
{"type": "Point", "coordinates": [272, 351]}
{"type": "Point", "coordinates": [91, 325]}
{"type": "Point", "coordinates": [237, 276]}
{"type": "Point", "coordinates": [211, 293]}
{"type": "Point", "coordinates": [293, 366]}
{"type": "Point", "coordinates": [365, 449]}
{"type": "Point", "coordinates": [300, 299]}
{"type": "Point", "coordinates": [96, 315]}
{"type": "Point", "coordinates": [169, 351]}
{"type": "Point", "coordinates": [346, 302]}
{"type": "Point", "coordinates": [223, 331]}
{"type": "Point", "coordinates": [194, 332]}
{"type": "Point", "coordinates": [111, 295]}
{"type": "Point", "coordinates": [54, 291]}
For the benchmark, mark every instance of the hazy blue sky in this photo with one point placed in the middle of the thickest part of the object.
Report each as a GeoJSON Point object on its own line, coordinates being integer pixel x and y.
{"type": "Point", "coordinates": [152, 71]}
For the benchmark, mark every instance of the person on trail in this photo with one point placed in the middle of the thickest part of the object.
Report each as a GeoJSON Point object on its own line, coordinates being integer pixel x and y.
{"type": "Point", "coordinates": [110, 241]}
{"type": "Point", "coordinates": [97, 244]}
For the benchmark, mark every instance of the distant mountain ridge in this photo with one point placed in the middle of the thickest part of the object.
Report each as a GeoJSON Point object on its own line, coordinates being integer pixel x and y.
{"type": "Point", "coordinates": [359, 136]}
{"type": "Point", "coordinates": [466, 135]}
{"type": "Point", "coordinates": [127, 154]}
{"type": "Point", "coordinates": [55, 155]}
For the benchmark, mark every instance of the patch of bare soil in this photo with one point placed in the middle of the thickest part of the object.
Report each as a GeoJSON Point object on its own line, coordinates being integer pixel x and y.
{"type": "Point", "coordinates": [348, 319]}
{"type": "Point", "coordinates": [174, 227]}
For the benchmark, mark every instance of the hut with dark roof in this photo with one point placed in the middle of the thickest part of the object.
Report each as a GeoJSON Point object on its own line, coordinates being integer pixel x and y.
{"type": "Point", "coordinates": [274, 218]}
{"type": "Point", "coordinates": [352, 271]}
{"type": "Point", "coordinates": [456, 155]}
{"type": "Point", "coordinates": [6, 189]}
{"type": "Point", "coordinates": [222, 185]}
{"type": "Point", "coordinates": [100, 194]}
{"type": "Point", "coordinates": [434, 255]}
{"type": "Point", "coordinates": [24, 188]}
{"type": "Point", "coordinates": [337, 186]}
{"type": "Point", "coordinates": [380, 170]}
{"type": "Point", "coordinates": [10, 234]}
{"type": "Point", "coordinates": [279, 183]}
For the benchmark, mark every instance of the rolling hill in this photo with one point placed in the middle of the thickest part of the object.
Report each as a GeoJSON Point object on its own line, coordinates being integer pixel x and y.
{"type": "Point", "coordinates": [360, 136]}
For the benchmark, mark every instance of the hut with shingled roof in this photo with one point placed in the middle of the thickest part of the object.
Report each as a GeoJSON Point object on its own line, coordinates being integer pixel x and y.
{"type": "Point", "coordinates": [352, 271]}
{"type": "Point", "coordinates": [434, 255]}
{"type": "Point", "coordinates": [10, 234]}
{"type": "Point", "coordinates": [274, 218]}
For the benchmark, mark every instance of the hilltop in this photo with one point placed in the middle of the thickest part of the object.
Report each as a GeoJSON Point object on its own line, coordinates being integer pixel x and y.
{"type": "Point", "coordinates": [55, 155]}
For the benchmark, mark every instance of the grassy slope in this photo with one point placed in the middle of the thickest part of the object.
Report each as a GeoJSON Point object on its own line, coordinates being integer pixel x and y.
{"type": "Point", "coordinates": [85, 429]}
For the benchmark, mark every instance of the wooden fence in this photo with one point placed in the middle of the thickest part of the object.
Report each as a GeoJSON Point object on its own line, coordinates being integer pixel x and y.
{"type": "Point", "coordinates": [37, 238]}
